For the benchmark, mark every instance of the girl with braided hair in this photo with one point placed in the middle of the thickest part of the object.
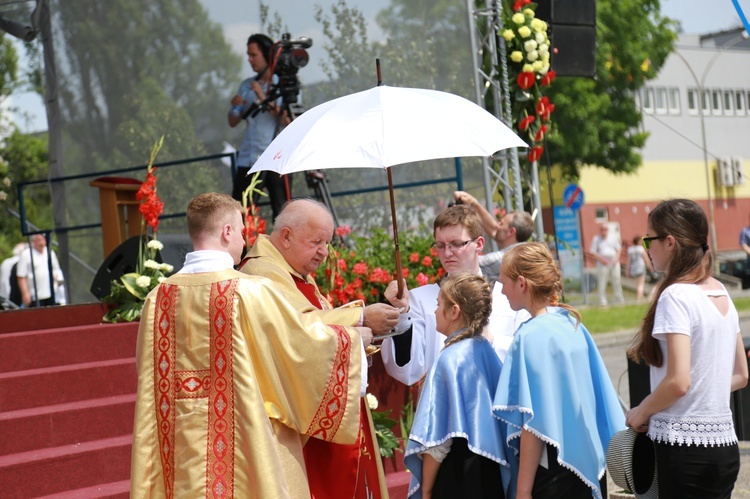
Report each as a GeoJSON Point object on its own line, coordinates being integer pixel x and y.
{"type": "Point", "coordinates": [455, 446]}
{"type": "Point", "coordinates": [691, 338]}
{"type": "Point", "coordinates": [554, 398]}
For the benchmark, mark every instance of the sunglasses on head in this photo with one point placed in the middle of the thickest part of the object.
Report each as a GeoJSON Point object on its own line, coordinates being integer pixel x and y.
{"type": "Point", "coordinates": [647, 241]}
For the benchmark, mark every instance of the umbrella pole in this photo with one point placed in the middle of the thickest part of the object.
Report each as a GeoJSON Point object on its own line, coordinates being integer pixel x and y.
{"type": "Point", "coordinates": [397, 251]}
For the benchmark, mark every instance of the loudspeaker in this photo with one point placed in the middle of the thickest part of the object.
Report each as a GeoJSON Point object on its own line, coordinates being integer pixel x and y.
{"type": "Point", "coordinates": [575, 12]}
{"type": "Point", "coordinates": [573, 35]}
{"type": "Point", "coordinates": [639, 381]}
{"type": "Point", "coordinates": [573, 50]}
{"type": "Point", "coordinates": [121, 261]}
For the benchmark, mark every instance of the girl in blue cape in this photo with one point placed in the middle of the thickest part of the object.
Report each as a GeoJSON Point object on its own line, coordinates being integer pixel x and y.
{"type": "Point", "coordinates": [455, 447]}
{"type": "Point", "coordinates": [554, 395]}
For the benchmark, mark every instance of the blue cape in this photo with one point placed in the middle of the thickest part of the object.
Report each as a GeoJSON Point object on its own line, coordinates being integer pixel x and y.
{"type": "Point", "coordinates": [456, 401]}
{"type": "Point", "coordinates": [555, 385]}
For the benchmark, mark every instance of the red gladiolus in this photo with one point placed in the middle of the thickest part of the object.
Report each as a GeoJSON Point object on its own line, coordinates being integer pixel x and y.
{"type": "Point", "coordinates": [535, 154]}
{"type": "Point", "coordinates": [540, 133]}
{"type": "Point", "coordinates": [151, 206]}
{"type": "Point", "coordinates": [427, 261]}
{"type": "Point", "coordinates": [519, 4]}
{"type": "Point", "coordinates": [548, 78]}
{"type": "Point", "coordinates": [524, 124]}
{"type": "Point", "coordinates": [422, 279]}
{"type": "Point", "coordinates": [414, 257]}
{"type": "Point", "coordinates": [343, 230]}
{"type": "Point", "coordinates": [525, 80]}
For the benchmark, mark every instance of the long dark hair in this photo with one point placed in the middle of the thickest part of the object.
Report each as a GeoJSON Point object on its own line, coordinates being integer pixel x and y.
{"type": "Point", "coordinates": [691, 262]}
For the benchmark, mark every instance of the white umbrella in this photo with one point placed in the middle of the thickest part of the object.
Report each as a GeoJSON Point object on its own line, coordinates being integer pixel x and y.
{"type": "Point", "coordinates": [383, 127]}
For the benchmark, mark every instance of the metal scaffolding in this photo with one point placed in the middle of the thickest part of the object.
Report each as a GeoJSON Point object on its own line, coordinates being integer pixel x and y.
{"type": "Point", "coordinates": [493, 93]}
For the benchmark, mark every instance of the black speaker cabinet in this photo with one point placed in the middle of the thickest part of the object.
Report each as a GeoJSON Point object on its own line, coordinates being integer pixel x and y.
{"type": "Point", "coordinates": [120, 262]}
{"type": "Point", "coordinates": [575, 12]}
{"type": "Point", "coordinates": [573, 50]}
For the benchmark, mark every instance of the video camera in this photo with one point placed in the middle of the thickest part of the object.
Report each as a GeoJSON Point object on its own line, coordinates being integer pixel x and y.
{"type": "Point", "coordinates": [287, 56]}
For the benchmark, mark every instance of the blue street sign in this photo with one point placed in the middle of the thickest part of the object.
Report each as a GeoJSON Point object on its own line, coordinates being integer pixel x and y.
{"type": "Point", "coordinates": [573, 197]}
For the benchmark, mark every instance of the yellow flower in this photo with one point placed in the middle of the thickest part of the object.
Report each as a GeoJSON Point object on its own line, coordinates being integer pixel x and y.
{"type": "Point", "coordinates": [529, 13]}
{"type": "Point", "coordinates": [524, 31]}
{"type": "Point", "coordinates": [518, 18]}
{"type": "Point", "coordinates": [645, 65]}
{"type": "Point", "coordinates": [538, 25]}
{"type": "Point", "coordinates": [3, 195]}
{"type": "Point", "coordinates": [538, 65]}
{"type": "Point", "coordinates": [516, 56]}
{"type": "Point", "coordinates": [529, 45]}
{"type": "Point", "coordinates": [527, 68]}
{"type": "Point", "coordinates": [508, 35]}
{"type": "Point", "coordinates": [6, 181]}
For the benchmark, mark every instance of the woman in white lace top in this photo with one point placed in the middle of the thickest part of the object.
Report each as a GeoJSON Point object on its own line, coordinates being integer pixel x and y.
{"type": "Point", "coordinates": [691, 339]}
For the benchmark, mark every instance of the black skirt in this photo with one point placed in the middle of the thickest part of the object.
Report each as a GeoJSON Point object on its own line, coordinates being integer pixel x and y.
{"type": "Point", "coordinates": [465, 474]}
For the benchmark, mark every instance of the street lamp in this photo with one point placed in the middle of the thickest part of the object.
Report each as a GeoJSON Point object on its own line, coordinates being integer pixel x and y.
{"type": "Point", "coordinates": [700, 84]}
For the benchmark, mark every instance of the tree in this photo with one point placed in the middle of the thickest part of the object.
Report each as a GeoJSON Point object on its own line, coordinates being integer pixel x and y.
{"type": "Point", "coordinates": [110, 51]}
{"type": "Point", "coordinates": [596, 120]}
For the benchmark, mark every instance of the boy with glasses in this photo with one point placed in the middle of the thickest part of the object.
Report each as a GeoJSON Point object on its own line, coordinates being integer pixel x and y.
{"type": "Point", "coordinates": [458, 243]}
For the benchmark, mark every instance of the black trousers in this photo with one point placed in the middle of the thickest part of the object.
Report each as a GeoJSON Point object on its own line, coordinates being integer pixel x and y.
{"type": "Point", "coordinates": [465, 474]}
{"type": "Point", "coordinates": [696, 472]}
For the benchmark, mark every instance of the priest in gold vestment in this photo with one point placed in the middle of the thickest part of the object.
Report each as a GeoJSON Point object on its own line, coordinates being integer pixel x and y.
{"type": "Point", "coordinates": [295, 248]}
{"type": "Point", "coordinates": [232, 380]}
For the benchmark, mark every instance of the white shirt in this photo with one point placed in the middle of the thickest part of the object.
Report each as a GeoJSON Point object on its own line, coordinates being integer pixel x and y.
{"type": "Point", "coordinates": [426, 342]}
{"type": "Point", "coordinates": [5, 269]}
{"type": "Point", "coordinates": [38, 280]}
{"type": "Point", "coordinates": [702, 416]}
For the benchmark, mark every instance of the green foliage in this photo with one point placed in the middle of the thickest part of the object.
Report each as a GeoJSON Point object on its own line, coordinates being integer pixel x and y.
{"type": "Point", "coordinates": [24, 159]}
{"type": "Point", "coordinates": [387, 440]}
{"type": "Point", "coordinates": [406, 419]}
{"type": "Point", "coordinates": [113, 59]}
{"type": "Point", "coordinates": [597, 121]}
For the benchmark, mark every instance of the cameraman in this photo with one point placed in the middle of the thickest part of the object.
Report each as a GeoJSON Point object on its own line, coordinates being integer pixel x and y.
{"type": "Point", "coordinates": [262, 127]}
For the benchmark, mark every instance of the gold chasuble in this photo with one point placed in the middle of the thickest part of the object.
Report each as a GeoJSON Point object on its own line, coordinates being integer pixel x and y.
{"type": "Point", "coordinates": [231, 381]}
{"type": "Point", "coordinates": [335, 471]}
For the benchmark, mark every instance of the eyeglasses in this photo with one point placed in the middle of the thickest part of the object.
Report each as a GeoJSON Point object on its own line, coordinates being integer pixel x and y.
{"type": "Point", "coordinates": [647, 241]}
{"type": "Point", "coordinates": [455, 246]}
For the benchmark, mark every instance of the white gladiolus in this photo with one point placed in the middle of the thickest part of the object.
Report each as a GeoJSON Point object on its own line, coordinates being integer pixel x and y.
{"type": "Point", "coordinates": [372, 401]}
{"type": "Point", "coordinates": [161, 279]}
{"type": "Point", "coordinates": [165, 267]}
{"type": "Point", "coordinates": [529, 45]}
{"type": "Point", "coordinates": [143, 281]}
{"type": "Point", "coordinates": [3, 195]}
{"type": "Point", "coordinates": [155, 245]}
{"type": "Point", "coordinates": [540, 38]}
{"type": "Point", "coordinates": [151, 264]}
{"type": "Point", "coordinates": [532, 56]}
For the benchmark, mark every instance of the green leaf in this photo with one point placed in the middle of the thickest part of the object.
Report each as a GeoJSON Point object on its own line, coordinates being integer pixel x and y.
{"type": "Point", "coordinates": [128, 280]}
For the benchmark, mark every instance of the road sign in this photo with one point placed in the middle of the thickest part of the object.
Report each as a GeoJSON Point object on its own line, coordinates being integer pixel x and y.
{"type": "Point", "coordinates": [573, 197]}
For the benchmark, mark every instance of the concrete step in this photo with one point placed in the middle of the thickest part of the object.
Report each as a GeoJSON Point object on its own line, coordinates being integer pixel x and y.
{"type": "Point", "coordinates": [63, 384]}
{"type": "Point", "coordinates": [63, 424]}
{"type": "Point", "coordinates": [66, 468]}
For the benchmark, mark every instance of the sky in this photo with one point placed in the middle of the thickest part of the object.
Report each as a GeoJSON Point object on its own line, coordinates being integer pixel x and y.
{"type": "Point", "coordinates": [240, 18]}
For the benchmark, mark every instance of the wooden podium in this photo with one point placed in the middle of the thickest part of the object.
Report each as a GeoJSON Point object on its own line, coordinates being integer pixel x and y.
{"type": "Point", "coordinates": [121, 218]}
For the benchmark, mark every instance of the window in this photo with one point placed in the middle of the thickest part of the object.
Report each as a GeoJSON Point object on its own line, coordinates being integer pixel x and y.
{"type": "Point", "coordinates": [601, 215]}
{"type": "Point", "coordinates": [692, 101]}
{"type": "Point", "coordinates": [661, 100]}
{"type": "Point", "coordinates": [716, 103]}
{"type": "Point", "coordinates": [647, 100]}
{"type": "Point", "coordinates": [728, 102]}
{"type": "Point", "coordinates": [740, 104]}
{"type": "Point", "coordinates": [674, 100]}
{"type": "Point", "coordinates": [706, 102]}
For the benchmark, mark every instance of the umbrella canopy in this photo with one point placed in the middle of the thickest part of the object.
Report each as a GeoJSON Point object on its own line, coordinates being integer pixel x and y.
{"type": "Point", "coordinates": [386, 126]}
